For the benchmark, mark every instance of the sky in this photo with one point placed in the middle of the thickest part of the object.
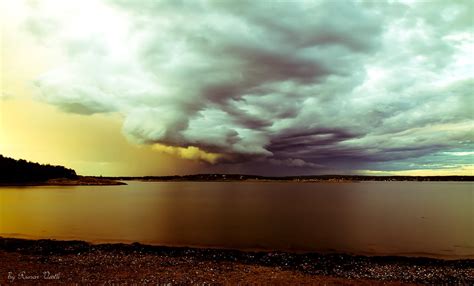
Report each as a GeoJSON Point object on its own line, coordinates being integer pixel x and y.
{"type": "Point", "coordinates": [148, 87]}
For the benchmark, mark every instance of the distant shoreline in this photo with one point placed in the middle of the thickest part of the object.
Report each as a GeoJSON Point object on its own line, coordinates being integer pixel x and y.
{"type": "Point", "coordinates": [79, 181]}
{"type": "Point", "coordinates": [79, 261]}
{"type": "Point", "coordinates": [295, 179]}
{"type": "Point", "coordinates": [228, 178]}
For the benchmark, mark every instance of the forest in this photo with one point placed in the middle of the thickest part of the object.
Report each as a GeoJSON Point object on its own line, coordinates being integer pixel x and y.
{"type": "Point", "coordinates": [19, 171]}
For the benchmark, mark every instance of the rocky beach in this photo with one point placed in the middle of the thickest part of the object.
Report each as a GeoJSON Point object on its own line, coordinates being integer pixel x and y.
{"type": "Point", "coordinates": [57, 262]}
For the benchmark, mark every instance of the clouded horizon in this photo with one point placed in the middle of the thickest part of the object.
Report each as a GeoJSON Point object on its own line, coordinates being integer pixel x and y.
{"type": "Point", "coordinates": [270, 87]}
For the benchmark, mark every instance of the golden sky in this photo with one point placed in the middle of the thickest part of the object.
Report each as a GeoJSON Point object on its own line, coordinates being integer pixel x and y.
{"type": "Point", "coordinates": [36, 131]}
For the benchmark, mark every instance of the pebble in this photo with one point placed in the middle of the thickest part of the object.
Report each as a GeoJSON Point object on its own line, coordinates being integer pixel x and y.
{"type": "Point", "coordinates": [94, 264]}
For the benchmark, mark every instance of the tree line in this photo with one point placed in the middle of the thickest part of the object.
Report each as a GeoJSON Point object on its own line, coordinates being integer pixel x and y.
{"type": "Point", "coordinates": [12, 170]}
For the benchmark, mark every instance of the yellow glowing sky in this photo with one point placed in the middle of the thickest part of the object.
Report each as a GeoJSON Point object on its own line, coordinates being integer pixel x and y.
{"type": "Point", "coordinates": [32, 130]}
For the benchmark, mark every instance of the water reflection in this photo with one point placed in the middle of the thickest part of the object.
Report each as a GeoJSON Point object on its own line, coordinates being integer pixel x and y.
{"type": "Point", "coordinates": [414, 218]}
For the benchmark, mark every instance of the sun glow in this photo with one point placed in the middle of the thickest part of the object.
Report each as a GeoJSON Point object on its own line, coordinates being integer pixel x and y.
{"type": "Point", "coordinates": [191, 153]}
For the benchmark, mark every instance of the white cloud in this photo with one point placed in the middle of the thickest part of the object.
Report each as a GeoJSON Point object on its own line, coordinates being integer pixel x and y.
{"type": "Point", "coordinates": [299, 82]}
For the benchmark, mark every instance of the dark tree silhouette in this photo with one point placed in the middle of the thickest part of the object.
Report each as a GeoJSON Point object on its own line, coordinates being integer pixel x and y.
{"type": "Point", "coordinates": [13, 171]}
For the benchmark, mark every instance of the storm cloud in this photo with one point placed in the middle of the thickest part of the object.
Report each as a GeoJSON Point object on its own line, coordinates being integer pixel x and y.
{"type": "Point", "coordinates": [314, 85]}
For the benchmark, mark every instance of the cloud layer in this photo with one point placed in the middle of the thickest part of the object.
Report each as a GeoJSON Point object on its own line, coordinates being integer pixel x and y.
{"type": "Point", "coordinates": [314, 85]}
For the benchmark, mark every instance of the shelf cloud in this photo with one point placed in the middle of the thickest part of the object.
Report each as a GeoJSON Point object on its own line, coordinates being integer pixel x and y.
{"type": "Point", "coordinates": [313, 85]}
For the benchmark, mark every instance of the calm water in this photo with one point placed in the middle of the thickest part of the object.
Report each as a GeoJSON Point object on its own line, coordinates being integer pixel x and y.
{"type": "Point", "coordinates": [403, 218]}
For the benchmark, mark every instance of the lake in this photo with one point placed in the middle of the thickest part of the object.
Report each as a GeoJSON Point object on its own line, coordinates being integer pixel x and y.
{"type": "Point", "coordinates": [373, 218]}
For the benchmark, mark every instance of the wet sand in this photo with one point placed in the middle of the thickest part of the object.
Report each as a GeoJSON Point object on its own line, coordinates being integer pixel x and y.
{"type": "Point", "coordinates": [58, 262]}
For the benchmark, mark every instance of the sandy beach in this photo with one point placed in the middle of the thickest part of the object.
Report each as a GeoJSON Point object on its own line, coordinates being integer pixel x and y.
{"type": "Point", "coordinates": [57, 262]}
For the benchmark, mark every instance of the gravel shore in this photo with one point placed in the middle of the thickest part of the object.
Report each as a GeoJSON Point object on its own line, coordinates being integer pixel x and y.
{"type": "Point", "coordinates": [57, 262]}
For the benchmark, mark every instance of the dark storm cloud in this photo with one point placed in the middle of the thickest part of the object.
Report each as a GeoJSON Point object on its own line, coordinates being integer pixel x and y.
{"type": "Point", "coordinates": [321, 85]}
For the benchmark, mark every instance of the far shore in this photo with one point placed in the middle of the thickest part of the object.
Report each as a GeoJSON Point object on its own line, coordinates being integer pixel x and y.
{"type": "Point", "coordinates": [233, 178]}
{"type": "Point", "coordinates": [57, 262]}
{"type": "Point", "coordinates": [79, 181]}
{"type": "Point", "coordinates": [293, 179]}
{"type": "Point", "coordinates": [244, 181]}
